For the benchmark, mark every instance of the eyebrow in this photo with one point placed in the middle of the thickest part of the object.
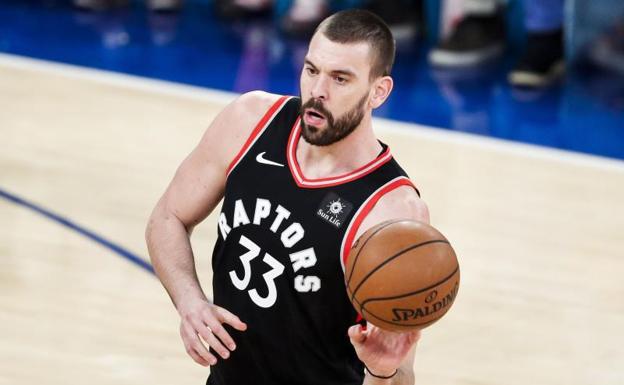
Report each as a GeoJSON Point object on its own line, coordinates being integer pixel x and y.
{"type": "Point", "coordinates": [335, 72]}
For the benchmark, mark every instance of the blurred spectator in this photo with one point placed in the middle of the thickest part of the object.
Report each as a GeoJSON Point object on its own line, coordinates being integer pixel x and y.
{"type": "Point", "coordinates": [304, 16]}
{"type": "Point", "coordinates": [543, 59]}
{"type": "Point", "coordinates": [404, 17]}
{"type": "Point", "coordinates": [479, 36]}
{"type": "Point", "coordinates": [608, 50]}
{"type": "Point", "coordinates": [233, 9]}
{"type": "Point", "coordinates": [101, 5]}
{"type": "Point", "coordinates": [300, 19]}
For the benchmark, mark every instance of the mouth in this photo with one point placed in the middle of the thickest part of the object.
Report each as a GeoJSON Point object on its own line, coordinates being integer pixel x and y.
{"type": "Point", "coordinates": [313, 117]}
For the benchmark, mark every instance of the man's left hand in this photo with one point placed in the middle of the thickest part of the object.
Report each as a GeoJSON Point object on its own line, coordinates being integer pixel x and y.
{"type": "Point", "coordinates": [380, 350]}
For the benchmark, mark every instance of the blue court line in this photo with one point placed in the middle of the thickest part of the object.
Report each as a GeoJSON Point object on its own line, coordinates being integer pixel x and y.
{"type": "Point", "coordinates": [119, 250]}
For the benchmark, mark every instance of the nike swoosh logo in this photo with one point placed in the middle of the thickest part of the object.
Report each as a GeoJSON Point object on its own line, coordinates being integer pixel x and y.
{"type": "Point", "coordinates": [260, 159]}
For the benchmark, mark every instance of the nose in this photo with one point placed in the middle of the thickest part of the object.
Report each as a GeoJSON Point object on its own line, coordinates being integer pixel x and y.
{"type": "Point", "coordinates": [319, 88]}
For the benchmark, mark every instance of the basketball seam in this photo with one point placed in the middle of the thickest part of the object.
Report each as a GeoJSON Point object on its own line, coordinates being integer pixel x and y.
{"type": "Point", "coordinates": [414, 292]}
{"type": "Point", "coordinates": [398, 324]}
{"type": "Point", "coordinates": [363, 309]}
{"type": "Point", "coordinates": [370, 273]}
{"type": "Point", "coordinates": [390, 222]}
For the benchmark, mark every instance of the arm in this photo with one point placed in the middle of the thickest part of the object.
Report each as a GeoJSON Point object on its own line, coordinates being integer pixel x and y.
{"type": "Point", "coordinates": [195, 190]}
{"type": "Point", "coordinates": [383, 352]}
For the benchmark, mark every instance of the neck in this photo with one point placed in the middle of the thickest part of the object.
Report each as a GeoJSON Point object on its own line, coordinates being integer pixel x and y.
{"type": "Point", "coordinates": [352, 152]}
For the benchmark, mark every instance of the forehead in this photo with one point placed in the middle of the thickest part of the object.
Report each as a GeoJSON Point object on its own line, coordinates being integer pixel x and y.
{"type": "Point", "coordinates": [332, 56]}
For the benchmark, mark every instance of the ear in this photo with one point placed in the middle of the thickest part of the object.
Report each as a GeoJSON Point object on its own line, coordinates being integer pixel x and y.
{"type": "Point", "coordinates": [381, 90]}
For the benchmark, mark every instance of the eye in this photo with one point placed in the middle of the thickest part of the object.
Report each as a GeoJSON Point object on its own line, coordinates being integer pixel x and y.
{"type": "Point", "coordinates": [340, 79]}
{"type": "Point", "coordinates": [310, 71]}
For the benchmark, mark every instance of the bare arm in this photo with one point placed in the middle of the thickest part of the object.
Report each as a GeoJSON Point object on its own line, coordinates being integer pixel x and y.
{"type": "Point", "coordinates": [195, 190]}
{"type": "Point", "coordinates": [398, 349]}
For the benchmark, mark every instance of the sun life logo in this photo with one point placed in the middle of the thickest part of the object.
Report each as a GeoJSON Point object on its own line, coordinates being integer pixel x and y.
{"type": "Point", "coordinates": [335, 207]}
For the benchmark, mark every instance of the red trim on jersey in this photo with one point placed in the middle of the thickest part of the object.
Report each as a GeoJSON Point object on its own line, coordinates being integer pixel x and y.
{"type": "Point", "coordinates": [365, 209]}
{"type": "Point", "coordinates": [302, 181]}
{"type": "Point", "coordinates": [260, 127]}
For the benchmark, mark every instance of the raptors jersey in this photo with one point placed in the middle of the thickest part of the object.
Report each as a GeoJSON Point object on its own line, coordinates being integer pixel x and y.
{"type": "Point", "coordinates": [279, 259]}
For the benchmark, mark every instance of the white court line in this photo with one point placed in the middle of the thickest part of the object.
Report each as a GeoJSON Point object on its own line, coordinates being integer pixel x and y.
{"type": "Point", "coordinates": [386, 125]}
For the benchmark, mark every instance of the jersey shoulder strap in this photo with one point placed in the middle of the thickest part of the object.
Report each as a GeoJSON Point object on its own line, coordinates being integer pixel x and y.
{"type": "Point", "coordinates": [277, 117]}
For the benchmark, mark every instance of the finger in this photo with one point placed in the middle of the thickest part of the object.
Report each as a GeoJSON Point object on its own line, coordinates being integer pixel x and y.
{"type": "Point", "coordinates": [213, 321]}
{"type": "Point", "coordinates": [197, 358]}
{"type": "Point", "coordinates": [195, 343]}
{"type": "Point", "coordinates": [231, 319]}
{"type": "Point", "coordinates": [211, 340]}
{"type": "Point", "coordinates": [415, 337]}
{"type": "Point", "coordinates": [202, 337]}
{"type": "Point", "coordinates": [201, 350]}
{"type": "Point", "coordinates": [222, 334]}
{"type": "Point", "coordinates": [357, 334]}
{"type": "Point", "coordinates": [194, 347]}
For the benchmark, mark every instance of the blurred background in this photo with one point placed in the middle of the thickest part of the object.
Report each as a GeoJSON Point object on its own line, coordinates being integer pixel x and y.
{"type": "Point", "coordinates": [547, 72]}
{"type": "Point", "coordinates": [86, 151]}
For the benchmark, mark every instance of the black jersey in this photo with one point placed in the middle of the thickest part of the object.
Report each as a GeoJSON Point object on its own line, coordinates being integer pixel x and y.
{"type": "Point", "coordinates": [279, 259]}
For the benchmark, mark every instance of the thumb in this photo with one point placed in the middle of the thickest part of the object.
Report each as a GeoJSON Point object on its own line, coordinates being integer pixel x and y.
{"type": "Point", "coordinates": [356, 334]}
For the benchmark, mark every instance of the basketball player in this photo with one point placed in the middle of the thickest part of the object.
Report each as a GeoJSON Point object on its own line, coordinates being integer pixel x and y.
{"type": "Point", "coordinates": [300, 179]}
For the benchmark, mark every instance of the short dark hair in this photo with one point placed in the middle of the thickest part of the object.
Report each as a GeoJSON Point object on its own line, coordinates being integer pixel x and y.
{"type": "Point", "coordinates": [358, 25]}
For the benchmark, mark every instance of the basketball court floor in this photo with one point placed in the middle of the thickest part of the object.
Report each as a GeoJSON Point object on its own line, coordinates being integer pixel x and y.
{"type": "Point", "coordinates": [85, 154]}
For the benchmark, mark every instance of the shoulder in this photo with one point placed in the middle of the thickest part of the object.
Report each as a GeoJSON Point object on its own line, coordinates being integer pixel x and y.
{"type": "Point", "coordinates": [401, 203]}
{"type": "Point", "coordinates": [232, 126]}
{"type": "Point", "coordinates": [256, 102]}
{"type": "Point", "coordinates": [250, 107]}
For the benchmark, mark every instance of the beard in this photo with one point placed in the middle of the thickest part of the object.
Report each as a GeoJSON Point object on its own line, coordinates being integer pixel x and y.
{"type": "Point", "coordinates": [337, 129]}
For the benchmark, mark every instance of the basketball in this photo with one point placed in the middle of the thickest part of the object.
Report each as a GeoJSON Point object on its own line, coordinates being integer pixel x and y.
{"type": "Point", "coordinates": [402, 275]}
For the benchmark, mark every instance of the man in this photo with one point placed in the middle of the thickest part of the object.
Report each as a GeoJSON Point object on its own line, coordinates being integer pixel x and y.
{"type": "Point", "coordinates": [300, 180]}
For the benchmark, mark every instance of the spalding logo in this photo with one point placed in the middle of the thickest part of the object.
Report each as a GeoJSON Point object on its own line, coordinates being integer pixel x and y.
{"type": "Point", "coordinates": [401, 315]}
{"type": "Point", "coordinates": [431, 296]}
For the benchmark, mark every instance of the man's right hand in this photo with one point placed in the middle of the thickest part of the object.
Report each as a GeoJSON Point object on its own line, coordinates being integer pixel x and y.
{"type": "Point", "coordinates": [204, 319]}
